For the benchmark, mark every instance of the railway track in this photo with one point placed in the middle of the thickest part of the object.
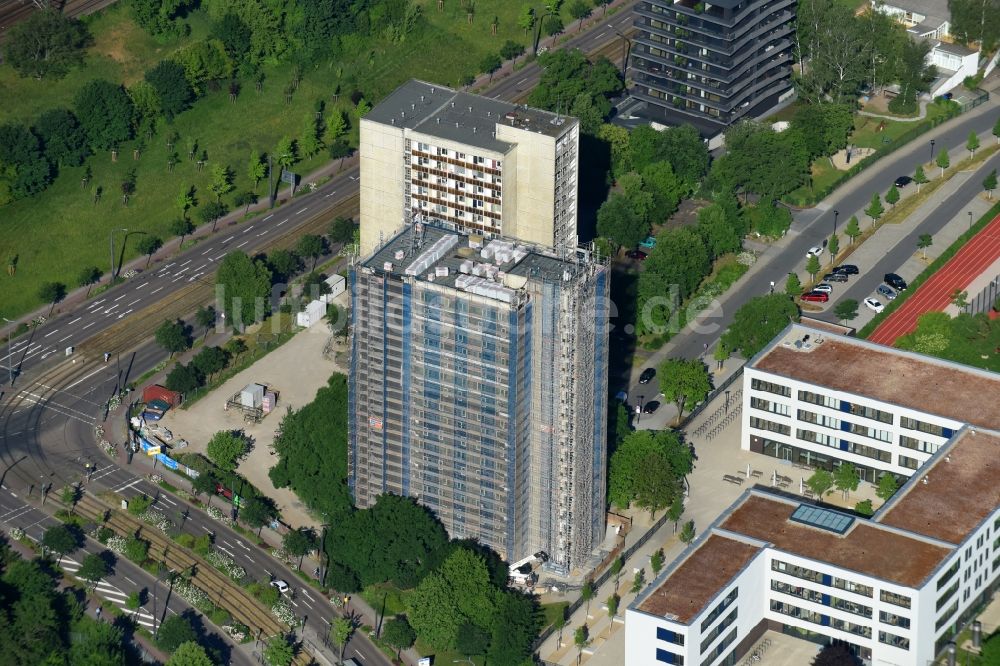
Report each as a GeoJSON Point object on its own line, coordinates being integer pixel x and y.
{"type": "Point", "coordinates": [221, 590]}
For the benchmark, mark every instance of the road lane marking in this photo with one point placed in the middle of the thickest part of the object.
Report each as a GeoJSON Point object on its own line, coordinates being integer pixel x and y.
{"type": "Point", "coordinates": [155, 290]}
{"type": "Point", "coordinates": [206, 252]}
{"type": "Point", "coordinates": [108, 311]}
{"type": "Point", "coordinates": [185, 263]}
{"type": "Point", "coordinates": [82, 378]}
{"type": "Point", "coordinates": [168, 500]}
{"type": "Point", "coordinates": [133, 302]}
{"type": "Point", "coordinates": [248, 228]}
{"type": "Point", "coordinates": [242, 244]}
{"type": "Point", "coordinates": [299, 212]}
{"type": "Point", "coordinates": [88, 326]}
{"type": "Point", "coordinates": [129, 580]}
{"type": "Point", "coordinates": [52, 333]}
{"type": "Point", "coordinates": [219, 257]}
{"type": "Point", "coordinates": [268, 217]}
{"type": "Point", "coordinates": [124, 313]}
{"type": "Point", "coordinates": [120, 297]}
{"type": "Point", "coordinates": [66, 338]}
{"type": "Point", "coordinates": [281, 223]}
{"type": "Point", "coordinates": [74, 321]}
{"type": "Point", "coordinates": [262, 233]}
{"type": "Point", "coordinates": [228, 239]}
{"type": "Point", "coordinates": [127, 486]}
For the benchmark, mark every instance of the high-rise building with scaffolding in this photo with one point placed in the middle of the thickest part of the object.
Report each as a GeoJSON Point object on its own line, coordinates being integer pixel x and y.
{"type": "Point", "coordinates": [479, 354]}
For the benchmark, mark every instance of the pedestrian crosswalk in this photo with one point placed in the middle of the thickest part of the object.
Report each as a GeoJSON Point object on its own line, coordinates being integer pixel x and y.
{"type": "Point", "coordinates": [113, 594]}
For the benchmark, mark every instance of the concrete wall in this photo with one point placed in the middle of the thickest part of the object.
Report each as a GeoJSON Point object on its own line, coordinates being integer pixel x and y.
{"type": "Point", "coordinates": [968, 66]}
{"type": "Point", "coordinates": [533, 204]}
{"type": "Point", "coordinates": [381, 148]}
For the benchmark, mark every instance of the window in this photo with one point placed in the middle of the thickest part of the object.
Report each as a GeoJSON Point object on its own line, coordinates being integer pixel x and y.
{"type": "Point", "coordinates": [763, 424]}
{"type": "Point", "coordinates": [895, 599]}
{"type": "Point", "coordinates": [818, 399]}
{"type": "Point", "coordinates": [943, 619]}
{"type": "Point", "coordinates": [797, 571]}
{"type": "Point", "coordinates": [717, 631]}
{"type": "Point", "coordinates": [943, 580]}
{"type": "Point", "coordinates": [663, 634]}
{"type": "Point", "coordinates": [668, 657]}
{"type": "Point", "coordinates": [767, 405]}
{"type": "Point", "coordinates": [771, 387]}
{"type": "Point", "coordinates": [909, 463]}
{"type": "Point", "coordinates": [718, 610]}
{"type": "Point", "coordinates": [943, 599]}
{"type": "Point", "coordinates": [819, 419]}
{"type": "Point", "coordinates": [920, 426]}
{"type": "Point", "coordinates": [893, 619]}
{"type": "Point", "coordinates": [917, 445]}
{"type": "Point", "coordinates": [894, 640]}
{"type": "Point", "coordinates": [851, 586]}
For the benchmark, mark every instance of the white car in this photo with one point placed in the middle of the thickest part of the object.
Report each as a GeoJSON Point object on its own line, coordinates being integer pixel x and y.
{"type": "Point", "coordinates": [281, 585]}
{"type": "Point", "coordinates": [823, 288]}
{"type": "Point", "coordinates": [814, 251]}
{"type": "Point", "coordinates": [874, 304]}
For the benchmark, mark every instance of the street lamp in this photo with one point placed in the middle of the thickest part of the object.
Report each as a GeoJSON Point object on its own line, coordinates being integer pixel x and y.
{"type": "Point", "coordinates": [538, 33]}
{"type": "Point", "coordinates": [932, 149]}
{"type": "Point", "coordinates": [638, 410]}
{"type": "Point", "coordinates": [836, 214]}
{"type": "Point", "coordinates": [626, 49]}
{"type": "Point", "coordinates": [970, 219]}
{"type": "Point", "coordinates": [112, 243]}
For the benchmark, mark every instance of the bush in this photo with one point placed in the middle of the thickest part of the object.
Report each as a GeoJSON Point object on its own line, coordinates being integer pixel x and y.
{"type": "Point", "coordinates": [219, 617]}
{"type": "Point", "coordinates": [185, 539]}
{"type": "Point", "coordinates": [770, 220]}
{"type": "Point", "coordinates": [864, 507]}
{"type": "Point", "coordinates": [136, 549]}
{"type": "Point", "coordinates": [104, 533]}
{"type": "Point", "coordinates": [264, 593]}
{"type": "Point", "coordinates": [139, 504]}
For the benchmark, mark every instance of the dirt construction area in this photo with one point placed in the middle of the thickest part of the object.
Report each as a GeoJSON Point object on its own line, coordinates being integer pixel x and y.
{"type": "Point", "coordinates": [296, 370]}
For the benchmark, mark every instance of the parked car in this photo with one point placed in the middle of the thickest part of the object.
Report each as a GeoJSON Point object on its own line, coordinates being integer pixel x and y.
{"type": "Point", "coordinates": [281, 585]}
{"type": "Point", "coordinates": [647, 375]}
{"type": "Point", "coordinates": [814, 251]}
{"type": "Point", "coordinates": [638, 255]}
{"type": "Point", "coordinates": [902, 181]}
{"type": "Point", "coordinates": [894, 281]}
{"type": "Point", "coordinates": [874, 304]}
{"type": "Point", "coordinates": [835, 277]}
{"type": "Point", "coordinates": [816, 297]}
{"type": "Point", "coordinates": [887, 291]}
{"type": "Point", "coordinates": [846, 269]}
{"type": "Point", "coordinates": [823, 288]}
{"type": "Point", "coordinates": [651, 407]}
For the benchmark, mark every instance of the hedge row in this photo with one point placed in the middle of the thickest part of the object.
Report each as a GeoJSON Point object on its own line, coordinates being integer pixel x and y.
{"type": "Point", "coordinates": [933, 268]}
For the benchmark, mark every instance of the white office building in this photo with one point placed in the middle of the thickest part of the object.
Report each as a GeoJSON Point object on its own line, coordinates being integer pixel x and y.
{"type": "Point", "coordinates": [896, 588]}
{"type": "Point", "coordinates": [815, 398]}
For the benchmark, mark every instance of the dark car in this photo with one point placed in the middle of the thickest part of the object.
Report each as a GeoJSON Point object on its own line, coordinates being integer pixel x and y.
{"type": "Point", "coordinates": [816, 297]}
{"type": "Point", "coordinates": [647, 375]}
{"type": "Point", "coordinates": [651, 407]}
{"type": "Point", "coordinates": [902, 181]}
{"type": "Point", "coordinates": [835, 277]}
{"type": "Point", "coordinates": [846, 269]}
{"type": "Point", "coordinates": [638, 255]}
{"type": "Point", "coordinates": [894, 281]}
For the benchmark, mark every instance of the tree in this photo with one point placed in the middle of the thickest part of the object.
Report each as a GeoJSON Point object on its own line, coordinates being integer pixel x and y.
{"type": "Point", "coordinates": [184, 378]}
{"type": "Point", "coordinates": [63, 140]}
{"type": "Point", "coordinates": [659, 180]}
{"type": "Point", "coordinates": [587, 593]}
{"type": "Point", "coordinates": [919, 177]}
{"type": "Point", "coordinates": [258, 511]}
{"type": "Point", "coordinates": [279, 652]}
{"type": "Point", "coordinates": [656, 561]}
{"type": "Point", "coordinates": [972, 143]}
{"type": "Point", "coordinates": [256, 169]}
{"type": "Point", "coordinates": [835, 654]}
{"type": "Point", "coordinates": [490, 63]}
{"type": "Point", "coordinates": [51, 292]}
{"type": "Point", "coordinates": [526, 19]}
{"type": "Point", "coordinates": [190, 654]}
{"type": "Point", "coordinates": [924, 242]}
{"type": "Point", "coordinates": [687, 532]}
{"type": "Point", "coordinates": [459, 591]}
{"type": "Point", "coordinates": [148, 245]}
{"type": "Point", "coordinates": [943, 161]}
{"type": "Point", "coordinates": [618, 222]}
{"type": "Point", "coordinates": [614, 600]}
{"type": "Point", "coordinates": [793, 286]}
{"type": "Point", "coordinates": [853, 229]}
{"type": "Point", "coordinates": [820, 482]}
{"type": "Point", "coordinates": [812, 266]}
{"type": "Point", "coordinates": [180, 226]}
{"type": "Point", "coordinates": [875, 209]}
{"type": "Point", "coordinates": [398, 633]}
{"type": "Point", "coordinates": [246, 286]}
{"type": "Point", "coordinates": [676, 265]}
{"type": "Point", "coordinates": [514, 627]}
{"type": "Point", "coordinates": [581, 638]}
{"type": "Point", "coordinates": [341, 230]}
{"type": "Point", "coordinates": [846, 478]}
{"type": "Point", "coordinates": [205, 484]}
{"type": "Point", "coordinates": [205, 318]}
{"type": "Point", "coordinates": [93, 568]}
{"type": "Point", "coordinates": [472, 640]}
{"type": "Point", "coordinates": [341, 630]}
{"type": "Point", "coordinates": [676, 510]}
{"type": "Point", "coordinates": [846, 310]}
{"type": "Point", "coordinates": [579, 10]}
{"type": "Point", "coordinates": [887, 486]}
{"type": "Point", "coordinates": [106, 113]}
{"type": "Point", "coordinates": [88, 277]}
{"type": "Point", "coordinates": [60, 540]}
{"type": "Point", "coordinates": [864, 507]}
{"type": "Point", "coordinates": [567, 73]}
{"type": "Point", "coordinates": [298, 543]}
{"type": "Point", "coordinates": [310, 246]}
{"type": "Point", "coordinates": [286, 153]}
{"type": "Point", "coordinates": [46, 43]}
{"type": "Point", "coordinates": [719, 230]}
{"type": "Point", "coordinates": [173, 92]}
{"type": "Point", "coordinates": [210, 360]}
{"type": "Point", "coordinates": [990, 183]}
{"type": "Point", "coordinates": [757, 322]}
{"type": "Point", "coordinates": [222, 181]}
{"type": "Point", "coordinates": [647, 469]}
{"type": "Point", "coordinates": [511, 50]}
{"type": "Point", "coordinates": [211, 212]}
{"type": "Point", "coordinates": [552, 25]}
{"type": "Point", "coordinates": [226, 448]}
{"type": "Point", "coordinates": [616, 569]}
{"type": "Point", "coordinates": [23, 167]}
{"type": "Point", "coordinates": [244, 199]}
{"type": "Point", "coordinates": [173, 336]}
{"type": "Point", "coordinates": [684, 381]}
{"type": "Point", "coordinates": [892, 196]}
{"type": "Point", "coordinates": [638, 581]}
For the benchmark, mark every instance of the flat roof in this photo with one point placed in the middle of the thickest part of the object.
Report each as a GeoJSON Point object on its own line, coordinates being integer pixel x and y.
{"type": "Point", "coordinates": [962, 488]}
{"type": "Point", "coordinates": [956, 49]}
{"type": "Point", "coordinates": [931, 9]}
{"type": "Point", "coordinates": [866, 547]}
{"type": "Point", "coordinates": [851, 365]}
{"type": "Point", "coordinates": [699, 578]}
{"type": "Point", "coordinates": [460, 116]}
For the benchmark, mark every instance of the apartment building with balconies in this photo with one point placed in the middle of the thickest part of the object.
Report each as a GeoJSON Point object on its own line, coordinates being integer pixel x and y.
{"type": "Point", "coordinates": [712, 64]}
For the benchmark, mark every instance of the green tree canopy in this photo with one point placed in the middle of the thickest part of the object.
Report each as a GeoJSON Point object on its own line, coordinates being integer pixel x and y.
{"type": "Point", "coordinates": [190, 654]}
{"type": "Point", "coordinates": [60, 540]}
{"type": "Point", "coordinates": [516, 623]}
{"type": "Point", "coordinates": [685, 382]}
{"type": "Point", "coordinates": [106, 113]}
{"type": "Point", "coordinates": [398, 633]}
{"type": "Point", "coordinates": [51, 292]}
{"type": "Point", "coordinates": [210, 360]}
{"type": "Point", "coordinates": [246, 286]}
{"type": "Point", "coordinates": [23, 167]}
{"type": "Point", "coordinates": [173, 92]}
{"type": "Point", "coordinates": [846, 310]}
{"type": "Point", "coordinates": [184, 378]}
{"type": "Point", "coordinates": [93, 568]}
{"type": "Point", "coordinates": [647, 469]}
{"type": "Point", "coordinates": [226, 448]}
{"type": "Point", "coordinates": [846, 478]}
{"type": "Point", "coordinates": [279, 652]}
{"type": "Point", "coordinates": [887, 486]}
{"type": "Point", "coordinates": [173, 336]}
{"type": "Point", "coordinates": [63, 139]}
{"type": "Point", "coordinates": [567, 73]}
{"type": "Point", "coordinates": [174, 631]}
{"type": "Point", "coordinates": [820, 482]}
{"type": "Point", "coordinates": [618, 221]}
{"type": "Point", "coordinates": [341, 230]}
{"type": "Point", "coordinates": [758, 321]}
{"type": "Point", "coordinates": [472, 640]}
{"type": "Point", "coordinates": [46, 44]}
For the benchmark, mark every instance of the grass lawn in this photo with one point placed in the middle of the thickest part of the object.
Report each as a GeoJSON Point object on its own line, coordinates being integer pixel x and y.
{"type": "Point", "coordinates": [58, 233]}
{"type": "Point", "coordinates": [393, 597]}
{"type": "Point", "coordinates": [553, 612]}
